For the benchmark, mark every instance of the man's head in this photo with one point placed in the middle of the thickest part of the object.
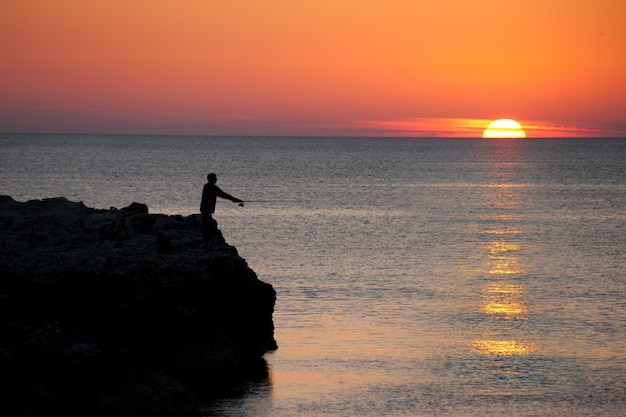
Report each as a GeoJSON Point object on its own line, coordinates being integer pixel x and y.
{"type": "Point", "coordinates": [212, 178]}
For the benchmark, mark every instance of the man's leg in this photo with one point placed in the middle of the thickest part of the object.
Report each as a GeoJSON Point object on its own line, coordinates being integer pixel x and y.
{"type": "Point", "coordinates": [207, 228]}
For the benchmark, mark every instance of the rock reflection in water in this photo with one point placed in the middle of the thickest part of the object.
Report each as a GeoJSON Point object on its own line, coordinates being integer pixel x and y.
{"type": "Point", "coordinates": [252, 398]}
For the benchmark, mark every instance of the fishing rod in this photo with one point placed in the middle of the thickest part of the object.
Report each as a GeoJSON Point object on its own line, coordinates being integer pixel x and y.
{"type": "Point", "coordinates": [243, 203]}
{"type": "Point", "coordinates": [271, 201]}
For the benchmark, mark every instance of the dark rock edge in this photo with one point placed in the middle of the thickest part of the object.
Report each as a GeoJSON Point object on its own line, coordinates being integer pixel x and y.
{"type": "Point", "coordinates": [121, 312]}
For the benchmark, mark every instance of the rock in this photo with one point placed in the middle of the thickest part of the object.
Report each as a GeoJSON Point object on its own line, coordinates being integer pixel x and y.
{"type": "Point", "coordinates": [122, 312]}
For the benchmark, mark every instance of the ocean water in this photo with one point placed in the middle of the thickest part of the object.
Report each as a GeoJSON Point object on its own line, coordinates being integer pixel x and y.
{"type": "Point", "coordinates": [415, 277]}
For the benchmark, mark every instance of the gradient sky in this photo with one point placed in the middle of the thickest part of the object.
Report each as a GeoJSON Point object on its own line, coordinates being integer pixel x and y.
{"type": "Point", "coordinates": [313, 67]}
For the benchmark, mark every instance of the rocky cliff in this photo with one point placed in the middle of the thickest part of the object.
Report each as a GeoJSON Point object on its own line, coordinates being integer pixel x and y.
{"type": "Point", "coordinates": [121, 312]}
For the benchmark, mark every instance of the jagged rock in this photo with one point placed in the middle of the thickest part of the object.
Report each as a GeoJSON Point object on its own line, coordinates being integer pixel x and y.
{"type": "Point", "coordinates": [121, 312]}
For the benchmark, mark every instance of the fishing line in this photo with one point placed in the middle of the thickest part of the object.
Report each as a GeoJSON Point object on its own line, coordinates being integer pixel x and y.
{"type": "Point", "coordinates": [274, 201]}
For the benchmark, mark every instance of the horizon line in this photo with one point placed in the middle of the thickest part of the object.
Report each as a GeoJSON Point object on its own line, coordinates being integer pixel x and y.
{"type": "Point", "coordinates": [210, 135]}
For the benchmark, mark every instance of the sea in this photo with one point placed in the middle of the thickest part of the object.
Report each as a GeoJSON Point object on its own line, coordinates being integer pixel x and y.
{"type": "Point", "coordinates": [414, 277]}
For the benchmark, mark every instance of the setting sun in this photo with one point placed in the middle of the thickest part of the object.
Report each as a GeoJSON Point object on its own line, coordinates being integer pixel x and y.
{"type": "Point", "coordinates": [504, 129]}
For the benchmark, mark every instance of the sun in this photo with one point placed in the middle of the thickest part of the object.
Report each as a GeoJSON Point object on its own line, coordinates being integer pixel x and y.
{"type": "Point", "coordinates": [504, 129]}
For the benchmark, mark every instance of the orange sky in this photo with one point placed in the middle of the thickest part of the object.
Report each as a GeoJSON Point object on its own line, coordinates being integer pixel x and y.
{"type": "Point", "coordinates": [313, 67]}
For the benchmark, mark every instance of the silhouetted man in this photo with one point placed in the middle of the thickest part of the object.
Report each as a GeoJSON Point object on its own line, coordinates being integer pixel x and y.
{"type": "Point", "coordinates": [210, 192]}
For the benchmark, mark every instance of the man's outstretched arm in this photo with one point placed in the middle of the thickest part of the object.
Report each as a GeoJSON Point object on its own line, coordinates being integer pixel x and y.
{"type": "Point", "coordinates": [227, 196]}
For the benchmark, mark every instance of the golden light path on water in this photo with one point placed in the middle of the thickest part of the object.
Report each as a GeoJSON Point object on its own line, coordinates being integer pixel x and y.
{"type": "Point", "coordinates": [503, 300]}
{"type": "Point", "coordinates": [503, 297]}
{"type": "Point", "coordinates": [502, 347]}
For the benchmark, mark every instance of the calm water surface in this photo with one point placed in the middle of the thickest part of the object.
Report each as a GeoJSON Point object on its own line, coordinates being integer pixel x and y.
{"type": "Point", "coordinates": [414, 277]}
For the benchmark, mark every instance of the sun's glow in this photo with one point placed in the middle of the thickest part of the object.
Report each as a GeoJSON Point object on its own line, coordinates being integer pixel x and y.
{"type": "Point", "coordinates": [504, 129]}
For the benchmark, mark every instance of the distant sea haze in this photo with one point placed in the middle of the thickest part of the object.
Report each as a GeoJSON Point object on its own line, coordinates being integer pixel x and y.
{"type": "Point", "coordinates": [415, 277]}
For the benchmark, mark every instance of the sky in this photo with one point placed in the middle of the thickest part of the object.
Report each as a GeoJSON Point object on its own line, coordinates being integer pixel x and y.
{"type": "Point", "coordinates": [428, 68]}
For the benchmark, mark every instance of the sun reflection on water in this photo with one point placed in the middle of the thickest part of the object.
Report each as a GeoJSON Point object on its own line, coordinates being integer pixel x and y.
{"type": "Point", "coordinates": [503, 300]}
{"type": "Point", "coordinates": [501, 231]}
{"type": "Point", "coordinates": [505, 267]}
{"type": "Point", "coordinates": [502, 260]}
{"type": "Point", "coordinates": [502, 247]}
{"type": "Point", "coordinates": [503, 309]}
{"type": "Point", "coordinates": [502, 348]}
{"type": "Point", "coordinates": [501, 217]}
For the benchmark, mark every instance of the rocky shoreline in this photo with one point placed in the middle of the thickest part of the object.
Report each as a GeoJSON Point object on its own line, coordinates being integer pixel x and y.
{"type": "Point", "coordinates": [122, 312]}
